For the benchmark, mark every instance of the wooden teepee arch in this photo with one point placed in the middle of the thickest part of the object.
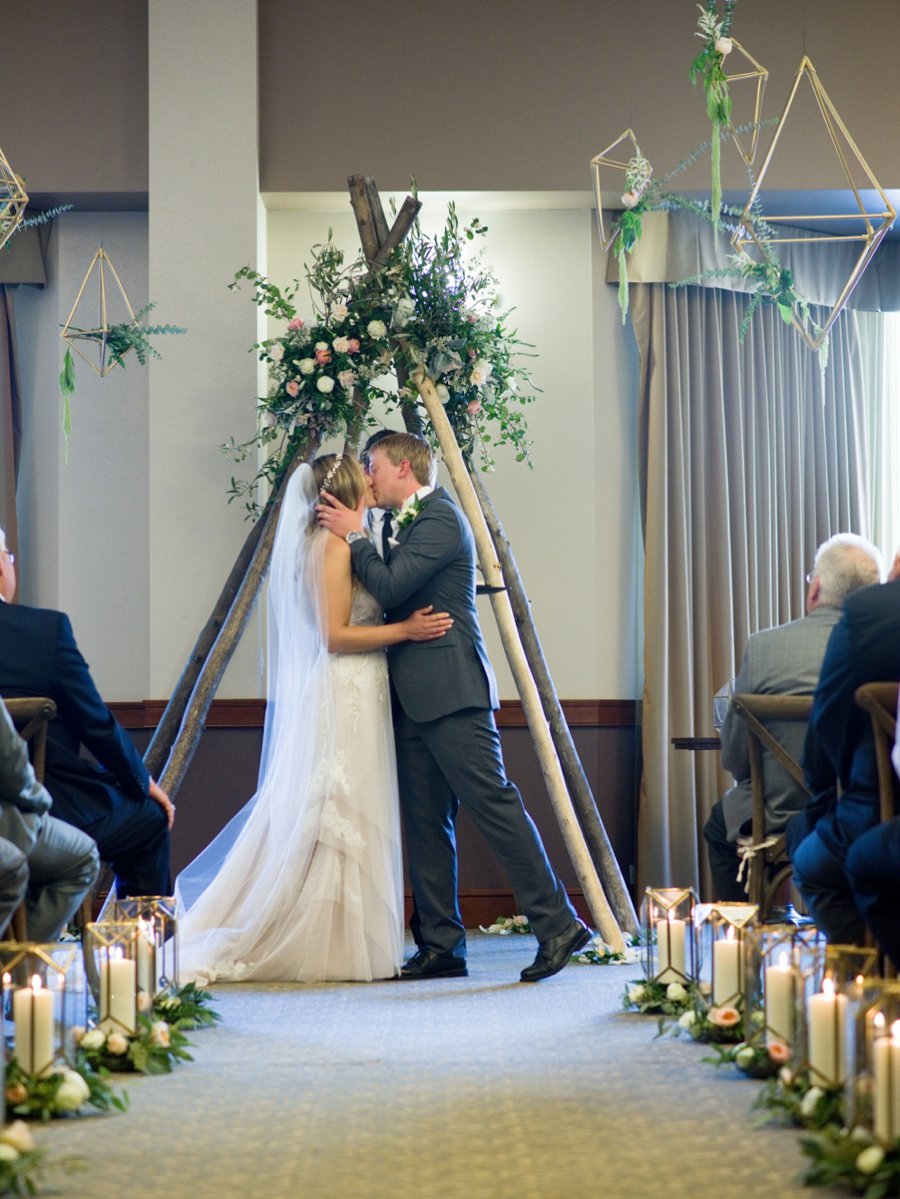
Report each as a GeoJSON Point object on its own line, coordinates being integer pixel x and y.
{"type": "Point", "coordinates": [178, 733]}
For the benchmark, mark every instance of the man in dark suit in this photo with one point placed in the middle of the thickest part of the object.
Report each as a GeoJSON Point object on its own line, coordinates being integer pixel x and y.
{"type": "Point", "coordinates": [448, 748]}
{"type": "Point", "coordinates": [115, 802]}
{"type": "Point", "coordinates": [781, 661]}
{"type": "Point", "coordinates": [864, 648]}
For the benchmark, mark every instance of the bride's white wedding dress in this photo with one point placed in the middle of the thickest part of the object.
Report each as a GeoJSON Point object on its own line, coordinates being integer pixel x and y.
{"type": "Point", "coordinates": [305, 884]}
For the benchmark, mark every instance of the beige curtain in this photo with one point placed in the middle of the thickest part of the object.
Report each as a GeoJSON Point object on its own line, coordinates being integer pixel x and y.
{"type": "Point", "coordinates": [10, 417]}
{"type": "Point", "coordinates": [750, 456]}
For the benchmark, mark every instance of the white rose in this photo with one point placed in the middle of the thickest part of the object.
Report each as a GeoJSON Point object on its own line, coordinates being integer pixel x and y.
{"type": "Point", "coordinates": [95, 1039]}
{"type": "Point", "coordinates": [809, 1101]}
{"type": "Point", "coordinates": [8, 1153]}
{"type": "Point", "coordinates": [687, 1019]}
{"type": "Point", "coordinates": [443, 393]}
{"type": "Point", "coordinates": [676, 992]}
{"type": "Point", "coordinates": [404, 311]}
{"type": "Point", "coordinates": [724, 46]}
{"type": "Point", "coordinates": [376, 330]}
{"type": "Point", "coordinates": [325, 384]}
{"type": "Point", "coordinates": [636, 994]}
{"type": "Point", "coordinates": [744, 1057]}
{"type": "Point", "coordinates": [71, 1092]}
{"type": "Point", "coordinates": [307, 366]}
{"type": "Point", "coordinates": [117, 1044]}
{"type": "Point", "coordinates": [145, 1000]}
{"type": "Point", "coordinates": [339, 313]}
{"type": "Point", "coordinates": [341, 344]}
{"type": "Point", "coordinates": [630, 199]}
{"type": "Point", "coordinates": [19, 1136]}
{"type": "Point", "coordinates": [276, 352]}
{"type": "Point", "coordinates": [160, 1035]}
{"type": "Point", "coordinates": [786, 1076]}
{"type": "Point", "coordinates": [870, 1159]}
{"type": "Point", "coordinates": [321, 345]}
{"type": "Point", "coordinates": [481, 372]}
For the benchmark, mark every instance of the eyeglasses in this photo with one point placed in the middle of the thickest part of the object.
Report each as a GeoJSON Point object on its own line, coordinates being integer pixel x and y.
{"type": "Point", "coordinates": [810, 577]}
{"type": "Point", "coordinates": [12, 557]}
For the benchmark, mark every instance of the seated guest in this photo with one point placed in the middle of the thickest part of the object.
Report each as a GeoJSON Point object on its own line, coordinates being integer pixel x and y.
{"type": "Point", "coordinates": [59, 862]}
{"type": "Point", "coordinates": [864, 648]}
{"type": "Point", "coordinates": [115, 802]}
{"type": "Point", "coordinates": [781, 661]}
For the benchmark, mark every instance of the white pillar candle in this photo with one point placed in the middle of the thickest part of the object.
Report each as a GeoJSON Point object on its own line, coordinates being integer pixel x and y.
{"type": "Point", "coordinates": [117, 992]}
{"type": "Point", "coordinates": [670, 950]}
{"type": "Point", "coordinates": [726, 968]}
{"type": "Point", "coordinates": [33, 1016]}
{"type": "Point", "coordinates": [146, 958]}
{"type": "Point", "coordinates": [886, 1078]}
{"type": "Point", "coordinates": [779, 1001]}
{"type": "Point", "coordinates": [825, 1023]}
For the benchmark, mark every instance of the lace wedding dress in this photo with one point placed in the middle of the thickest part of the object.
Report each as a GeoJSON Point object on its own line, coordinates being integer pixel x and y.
{"type": "Point", "coordinates": [305, 884]}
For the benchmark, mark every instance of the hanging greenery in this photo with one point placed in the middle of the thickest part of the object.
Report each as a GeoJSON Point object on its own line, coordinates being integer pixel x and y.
{"type": "Point", "coordinates": [709, 66]}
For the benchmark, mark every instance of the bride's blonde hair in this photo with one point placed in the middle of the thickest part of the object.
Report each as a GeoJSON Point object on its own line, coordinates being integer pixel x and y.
{"type": "Point", "coordinates": [341, 476]}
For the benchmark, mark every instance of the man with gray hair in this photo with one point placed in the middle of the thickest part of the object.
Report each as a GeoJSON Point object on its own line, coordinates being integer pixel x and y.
{"type": "Point", "coordinates": [785, 660]}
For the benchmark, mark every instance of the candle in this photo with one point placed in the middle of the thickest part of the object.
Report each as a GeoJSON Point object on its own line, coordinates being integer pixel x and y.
{"type": "Point", "coordinates": [117, 992]}
{"type": "Point", "coordinates": [825, 1020]}
{"type": "Point", "coordinates": [146, 958]}
{"type": "Point", "coordinates": [670, 950]}
{"type": "Point", "coordinates": [726, 968]}
{"type": "Point", "coordinates": [779, 1000]}
{"type": "Point", "coordinates": [33, 1016]}
{"type": "Point", "coordinates": [886, 1078]}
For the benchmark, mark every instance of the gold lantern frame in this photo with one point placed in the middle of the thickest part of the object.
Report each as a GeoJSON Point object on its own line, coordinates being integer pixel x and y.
{"type": "Point", "coordinates": [800, 953]}
{"type": "Point", "coordinates": [112, 941]}
{"type": "Point", "coordinates": [605, 159]}
{"type": "Point", "coordinates": [98, 335]}
{"type": "Point", "coordinates": [725, 921]}
{"type": "Point", "coordinates": [156, 916]}
{"type": "Point", "coordinates": [13, 200]}
{"type": "Point", "coordinates": [58, 965]}
{"type": "Point", "coordinates": [670, 907]}
{"type": "Point", "coordinates": [760, 74]}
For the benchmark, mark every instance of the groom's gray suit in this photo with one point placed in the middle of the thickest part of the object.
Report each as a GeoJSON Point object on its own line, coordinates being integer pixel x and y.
{"type": "Point", "coordinates": [448, 748]}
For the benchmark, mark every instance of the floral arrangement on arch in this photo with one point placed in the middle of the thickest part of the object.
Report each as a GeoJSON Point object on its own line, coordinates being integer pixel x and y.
{"type": "Point", "coordinates": [432, 306]}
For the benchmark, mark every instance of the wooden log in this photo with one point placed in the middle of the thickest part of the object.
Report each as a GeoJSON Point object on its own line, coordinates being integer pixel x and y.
{"type": "Point", "coordinates": [579, 788]}
{"type": "Point", "coordinates": [594, 894]}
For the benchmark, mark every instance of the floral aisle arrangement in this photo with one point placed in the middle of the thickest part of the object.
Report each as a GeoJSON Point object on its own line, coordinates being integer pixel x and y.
{"type": "Point", "coordinates": [707, 1023]}
{"type": "Point", "coordinates": [793, 1098]}
{"type": "Point", "coordinates": [504, 925]}
{"type": "Point", "coordinates": [433, 306]}
{"type": "Point", "coordinates": [598, 953]}
{"type": "Point", "coordinates": [709, 66]}
{"type": "Point", "coordinates": [853, 1160]}
{"type": "Point", "coordinates": [156, 1048]}
{"type": "Point", "coordinates": [186, 1008]}
{"type": "Point", "coordinates": [61, 1093]}
{"type": "Point", "coordinates": [667, 998]}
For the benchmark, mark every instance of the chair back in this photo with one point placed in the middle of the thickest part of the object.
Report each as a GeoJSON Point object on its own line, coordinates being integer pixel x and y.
{"type": "Point", "coordinates": [31, 717]}
{"type": "Point", "coordinates": [880, 701]}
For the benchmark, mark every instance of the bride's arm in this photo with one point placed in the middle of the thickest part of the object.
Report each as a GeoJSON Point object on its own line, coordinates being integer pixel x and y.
{"type": "Point", "coordinates": [344, 638]}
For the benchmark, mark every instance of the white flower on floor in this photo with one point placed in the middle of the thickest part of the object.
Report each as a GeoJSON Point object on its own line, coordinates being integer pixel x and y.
{"type": "Point", "coordinates": [95, 1039]}
{"type": "Point", "coordinates": [159, 1034]}
{"type": "Point", "coordinates": [19, 1136]}
{"type": "Point", "coordinates": [743, 1057]}
{"type": "Point", "coordinates": [870, 1159]}
{"type": "Point", "coordinates": [687, 1019]}
{"type": "Point", "coordinates": [809, 1101]}
{"type": "Point", "coordinates": [676, 992]}
{"type": "Point", "coordinates": [636, 994]}
{"type": "Point", "coordinates": [8, 1153]}
{"type": "Point", "coordinates": [117, 1044]}
{"type": "Point", "coordinates": [72, 1092]}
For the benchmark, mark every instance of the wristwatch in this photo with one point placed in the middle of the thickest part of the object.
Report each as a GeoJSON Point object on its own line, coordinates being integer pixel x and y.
{"type": "Point", "coordinates": [353, 535]}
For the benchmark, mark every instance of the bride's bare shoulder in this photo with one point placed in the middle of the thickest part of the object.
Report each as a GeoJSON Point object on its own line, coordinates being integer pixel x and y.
{"type": "Point", "coordinates": [336, 549]}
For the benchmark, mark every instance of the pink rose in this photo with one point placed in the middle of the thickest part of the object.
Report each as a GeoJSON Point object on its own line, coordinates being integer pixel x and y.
{"type": "Point", "coordinates": [341, 345]}
{"type": "Point", "coordinates": [323, 357]}
{"type": "Point", "coordinates": [779, 1052]}
{"type": "Point", "coordinates": [352, 345]}
{"type": "Point", "coordinates": [295, 324]}
{"type": "Point", "coordinates": [724, 1016]}
{"type": "Point", "coordinates": [473, 407]}
{"type": "Point", "coordinates": [293, 388]}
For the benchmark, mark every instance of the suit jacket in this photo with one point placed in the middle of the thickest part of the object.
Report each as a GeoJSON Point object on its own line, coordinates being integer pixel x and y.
{"type": "Point", "coordinates": [432, 563]}
{"type": "Point", "coordinates": [38, 656]}
{"type": "Point", "coordinates": [782, 661]}
{"type": "Point", "coordinates": [864, 648]}
{"type": "Point", "coordinates": [23, 801]}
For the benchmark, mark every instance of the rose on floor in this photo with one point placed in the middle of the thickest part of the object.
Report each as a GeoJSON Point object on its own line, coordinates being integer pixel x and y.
{"type": "Point", "coordinates": [63, 1093]}
{"type": "Point", "coordinates": [155, 1048]}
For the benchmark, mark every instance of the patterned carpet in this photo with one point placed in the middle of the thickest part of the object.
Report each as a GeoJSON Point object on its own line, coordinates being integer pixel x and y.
{"type": "Point", "coordinates": [455, 1089]}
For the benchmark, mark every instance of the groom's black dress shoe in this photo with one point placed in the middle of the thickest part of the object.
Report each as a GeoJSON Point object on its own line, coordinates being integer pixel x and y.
{"type": "Point", "coordinates": [552, 955]}
{"type": "Point", "coordinates": [428, 964]}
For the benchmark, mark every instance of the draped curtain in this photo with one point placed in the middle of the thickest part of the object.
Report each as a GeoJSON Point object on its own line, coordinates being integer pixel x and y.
{"type": "Point", "coordinates": [750, 456]}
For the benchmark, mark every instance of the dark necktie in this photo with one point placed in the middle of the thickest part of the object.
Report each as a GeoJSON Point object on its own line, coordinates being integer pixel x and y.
{"type": "Point", "coordinates": [386, 530]}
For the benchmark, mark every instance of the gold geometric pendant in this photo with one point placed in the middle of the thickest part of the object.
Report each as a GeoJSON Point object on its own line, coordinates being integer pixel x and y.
{"type": "Point", "coordinates": [868, 227]}
{"type": "Point", "coordinates": [604, 159]}
{"type": "Point", "coordinates": [13, 199]}
{"type": "Point", "coordinates": [760, 74]}
{"type": "Point", "coordinates": [103, 299]}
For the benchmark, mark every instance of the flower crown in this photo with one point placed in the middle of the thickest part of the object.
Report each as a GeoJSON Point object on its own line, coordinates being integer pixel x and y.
{"type": "Point", "coordinates": [326, 482]}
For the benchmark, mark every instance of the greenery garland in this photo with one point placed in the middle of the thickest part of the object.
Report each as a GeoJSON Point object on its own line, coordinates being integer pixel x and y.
{"type": "Point", "coordinates": [433, 305]}
{"type": "Point", "coordinates": [709, 66]}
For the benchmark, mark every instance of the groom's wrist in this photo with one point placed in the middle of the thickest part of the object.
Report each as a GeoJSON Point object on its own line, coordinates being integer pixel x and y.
{"type": "Point", "coordinates": [353, 535]}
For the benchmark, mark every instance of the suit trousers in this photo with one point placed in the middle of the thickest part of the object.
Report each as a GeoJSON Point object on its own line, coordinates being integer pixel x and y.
{"type": "Point", "coordinates": [62, 865]}
{"type": "Point", "coordinates": [873, 868]}
{"type": "Point", "coordinates": [13, 881]}
{"type": "Point", "coordinates": [821, 878]}
{"type": "Point", "coordinates": [457, 759]}
{"type": "Point", "coordinates": [134, 839]}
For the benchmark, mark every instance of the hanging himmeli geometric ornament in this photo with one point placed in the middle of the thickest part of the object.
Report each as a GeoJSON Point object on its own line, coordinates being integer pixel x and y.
{"type": "Point", "coordinates": [100, 338]}
{"type": "Point", "coordinates": [760, 74]}
{"type": "Point", "coordinates": [604, 159]}
{"type": "Point", "coordinates": [13, 199]}
{"type": "Point", "coordinates": [874, 225]}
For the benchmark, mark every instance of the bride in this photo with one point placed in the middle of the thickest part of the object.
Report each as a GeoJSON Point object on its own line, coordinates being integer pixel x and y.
{"type": "Point", "coordinates": [305, 883]}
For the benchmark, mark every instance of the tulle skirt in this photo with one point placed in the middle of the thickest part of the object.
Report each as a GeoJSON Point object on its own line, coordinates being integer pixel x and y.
{"type": "Point", "coordinates": [308, 884]}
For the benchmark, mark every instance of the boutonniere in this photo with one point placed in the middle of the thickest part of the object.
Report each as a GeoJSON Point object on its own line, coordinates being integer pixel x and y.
{"type": "Point", "coordinates": [408, 513]}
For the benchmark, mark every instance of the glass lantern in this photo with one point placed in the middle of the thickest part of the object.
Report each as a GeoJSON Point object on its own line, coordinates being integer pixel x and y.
{"type": "Point", "coordinates": [44, 993]}
{"type": "Point", "coordinates": [722, 927]}
{"type": "Point", "coordinates": [872, 1095]}
{"type": "Point", "coordinates": [782, 964]}
{"type": "Point", "coordinates": [670, 941]}
{"type": "Point", "coordinates": [115, 950]}
{"type": "Point", "coordinates": [157, 940]}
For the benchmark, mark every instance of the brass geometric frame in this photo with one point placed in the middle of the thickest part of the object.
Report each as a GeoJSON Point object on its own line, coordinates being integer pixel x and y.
{"type": "Point", "coordinates": [760, 74]}
{"type": "Point", "coordinates": [876, 224]}
{"type": "Point", "coordinates": [13, 199]}
{"type": "Point", "coordinates": [96, 337]}
{"type": "Point", "coordinates": [604, 159]}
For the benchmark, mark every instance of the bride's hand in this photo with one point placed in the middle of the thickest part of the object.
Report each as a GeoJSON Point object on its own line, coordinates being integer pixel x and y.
{"type": "Point", "coordinates": [426, 625]}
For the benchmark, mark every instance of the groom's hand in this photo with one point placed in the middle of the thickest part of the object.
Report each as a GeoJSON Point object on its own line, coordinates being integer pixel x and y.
{"type": "Point", "coordinates": [337, 517]}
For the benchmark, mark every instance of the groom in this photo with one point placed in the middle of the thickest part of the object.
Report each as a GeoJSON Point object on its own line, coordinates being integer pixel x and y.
{"type": "Point", "coordinates": [448, 748]}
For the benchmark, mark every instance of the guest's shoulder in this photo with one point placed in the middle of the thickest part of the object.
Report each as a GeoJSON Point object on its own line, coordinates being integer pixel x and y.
{"type": "Point", "coordinates": [876, 600]}
{"type": "Point", "coordinates": [23, 616]}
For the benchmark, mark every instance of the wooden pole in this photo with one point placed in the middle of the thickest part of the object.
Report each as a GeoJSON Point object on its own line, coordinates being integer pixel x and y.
{"type": "Point", "coordinates": [578, 786]}
{"type": "Point", "coordinates": [562, 805]}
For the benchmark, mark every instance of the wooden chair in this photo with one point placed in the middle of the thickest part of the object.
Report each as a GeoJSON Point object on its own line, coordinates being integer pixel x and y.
{"type": "Point", "coordinates": [31, 717]}
{"type": "Point", "coordinates": [769, 868]}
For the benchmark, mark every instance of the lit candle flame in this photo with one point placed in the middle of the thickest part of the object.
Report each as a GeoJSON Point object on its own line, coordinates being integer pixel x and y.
{"type": "Point", "coordinates": [36, 982]}
{"type": "Point", "coordinates": [895, 1030]}
{"type": "Point", "coordinates": [782, 961]}
{"type": "Point", "coordinates": [729, 933]}
{"type": "Point", "coordinates": [878, 1020]}
{"type": "Point", "coordinates": [828, 987]}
